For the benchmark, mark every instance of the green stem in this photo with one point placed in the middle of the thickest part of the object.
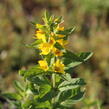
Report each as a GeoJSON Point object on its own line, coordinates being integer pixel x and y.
{"type": "Point", "coordinates": [53, 80]}
{"type": "Point", "coordinates": [53, 85]}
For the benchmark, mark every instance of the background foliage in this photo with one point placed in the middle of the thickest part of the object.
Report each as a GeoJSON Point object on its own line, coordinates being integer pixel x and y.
{"type": "Point", "coordinates": [90, 17]}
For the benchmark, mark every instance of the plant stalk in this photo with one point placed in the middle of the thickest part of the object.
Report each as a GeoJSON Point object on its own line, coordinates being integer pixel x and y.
{"type": "Point", "coordinates": [53, 80]}
{"type": "Point", "coordinates": [53, 85]}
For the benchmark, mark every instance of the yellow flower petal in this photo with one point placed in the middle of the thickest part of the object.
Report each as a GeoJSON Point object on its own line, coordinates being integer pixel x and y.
{"type": "Point", "coordinates": [40, 35]}
{"type": "Point", "coordinates": [62, 42]}
{"type": "Point", "coordinates": [57, 52]}
{"type": "Point", "coordinates": [60, 28]}
{"type": "Point", "coordinates": [60, 35]}
{"type": "Point", "coordinates": [43, 64]}
{"type": "Point", "coordinates": [39, 26]}
{"type": "Point", "coordinates": [52, 41]}
{"type": "Point", "coordinates": [45, 48]}
{"type": "Point", "coordinates": [40, 31]}
{"type": "Point", "coordinates": [59, 66]}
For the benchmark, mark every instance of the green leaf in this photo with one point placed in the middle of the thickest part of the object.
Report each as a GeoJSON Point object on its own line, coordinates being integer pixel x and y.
{"type": "Point", "coordinates": [67, 31]}
{"type": "Point", "coordinates": [47, 96]}
{"type": "Point", "coordinates": [17, 104]}
{"type": "Point", "coordinates": [68, 87]}
{"type": "Point", "coordinates": [63, 95]}
{"type": "Point", "coordinates": [68, 97]}
{"type": "Point", "coordinates": [37, 80]}
{"type": "Point", "coordinates": [12, 96]}
{"type": "Point", "coordinates": [31, 72]}
{"type": "Point", "coordinates": [41, 84]}
{"type": "Point", "coordinates": [34, 44]}
{"type": "Point", "coordinates": [73, 100]}
{"type": "Point", "coordinates": [85, 56]}
{"type": "Point", "coordinates": [72, 60]}
{"type": "Point", "coordinates": [75, 81]}
{"type": "Point", "coordinates": [28, 103]}
{"type": "Point", "coordinates": [34, 88]}
{"type": "Point", "coordinates": [78, 96]}
{"type": "Point", "coordinates": [67, 103]}
{"type": "Point", "coordinates": [67, 77]}
{"type": "Point", "coordinates": [42, 105]}
{"type": "Point", "coordinates": [70, 83]}
{"type": "Point", "coordinates": [59, 20]}
{"type": "Point", "coordinates": [57, 45]}
{"type": "Point", "coordinates": [18, 86]}
{"type": "Point", "coordinates": [46, 18]}
{"type": "Point", "coordinates": [44, 89]}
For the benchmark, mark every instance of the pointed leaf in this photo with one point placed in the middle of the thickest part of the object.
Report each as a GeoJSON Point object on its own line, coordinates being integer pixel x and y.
{"type": "Point", "coordinates": [12, 96]}
{"type": "Point", "coordinates": [72, 60]}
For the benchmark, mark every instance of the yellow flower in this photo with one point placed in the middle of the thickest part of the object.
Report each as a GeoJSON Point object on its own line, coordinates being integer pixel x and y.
{"type": "Point", "coordinates": [40, 31]}
{"type": "Point", "coordinates": [52, 41]}
{"type": "Point", "coordinates": [40, 35]}
{"type": "Point", "coordinates": [59, 66]}
{"type": "Point", "coordinates": [39, 26]}
{"type": "Point", "coordinates": [45, 48]}
{"type": "Point", "coordinates": [60, 35]}
{"type": "Point", "coordinates": [62, 42]}
{"type": "Point", "coordinates": [43, 64]}
{"type": "Point", "coordinates": [60, 28]}
{"type": "Point", "coordinates": [57, 52]}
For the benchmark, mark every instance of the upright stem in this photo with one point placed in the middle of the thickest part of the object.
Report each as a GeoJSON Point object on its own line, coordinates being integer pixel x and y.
{"type": "Point", "coordinates": [53, 80]}
{"type": "Point", "coordinates": [53, 85]}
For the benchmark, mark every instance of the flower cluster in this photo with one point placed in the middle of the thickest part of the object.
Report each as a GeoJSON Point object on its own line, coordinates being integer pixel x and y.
{"type": "Point", "coordinates": [51, 43]}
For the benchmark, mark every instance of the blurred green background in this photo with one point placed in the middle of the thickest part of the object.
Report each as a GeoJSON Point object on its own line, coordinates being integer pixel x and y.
{"type": "Point", "coordinates": [91, 19]}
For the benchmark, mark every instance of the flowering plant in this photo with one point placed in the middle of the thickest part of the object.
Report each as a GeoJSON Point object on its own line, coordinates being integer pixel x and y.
{"type": "Point", "coordinates": [49, 84]}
